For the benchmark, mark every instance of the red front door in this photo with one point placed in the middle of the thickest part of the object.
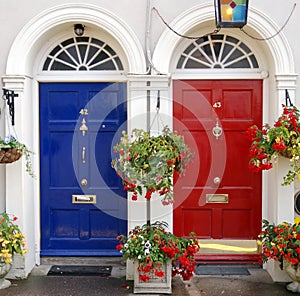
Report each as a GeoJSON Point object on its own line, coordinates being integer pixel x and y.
{"type": "Point", "coordinates": [219, 197]}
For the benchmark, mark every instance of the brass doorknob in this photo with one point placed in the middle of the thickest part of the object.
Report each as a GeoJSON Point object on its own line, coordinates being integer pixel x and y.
{"type": "Point", "coordinates": [83, 182]}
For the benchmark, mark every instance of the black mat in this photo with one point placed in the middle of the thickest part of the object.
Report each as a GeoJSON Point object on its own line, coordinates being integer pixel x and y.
{"type": "Point", "coordinates": [221, 270]}
{"type": "Point", "coordinates": [80, 270]}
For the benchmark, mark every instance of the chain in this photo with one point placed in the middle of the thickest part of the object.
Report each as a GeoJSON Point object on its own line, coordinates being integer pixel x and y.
{"type": "Point", "coordinates": [185, 36]}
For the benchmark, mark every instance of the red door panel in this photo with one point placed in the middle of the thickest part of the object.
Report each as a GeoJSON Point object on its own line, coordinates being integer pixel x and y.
{"type": "Point", "coordinates": [200, 106]}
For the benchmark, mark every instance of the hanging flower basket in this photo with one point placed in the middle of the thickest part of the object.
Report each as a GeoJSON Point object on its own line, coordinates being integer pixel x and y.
{"type": "Point", "coordinates": [148, 163]}
{"type": "Point", "coordinates": [10, 155]}
{"type": "Point", "coordinates": [11, 150]}
{"type": "Point", "coordinates": [282, 139]}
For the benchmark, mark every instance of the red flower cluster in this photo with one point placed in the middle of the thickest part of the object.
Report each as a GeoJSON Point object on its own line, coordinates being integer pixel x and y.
{"type": "Point", "coordinates": [152, 246]}
{"type": "Point", "coordinates": [129, 186]}
{"type": "Point", "coordinates": [280, 242]}
{"type": "Point", "coordinates": [171, 251]}
{"type": "Point", "coordinates": [148, 269]}
{"type": "Point", "coordinates": [149, 193]}
{"type": "Point", "coordinates": [185, 264]}
{"type": "Point", "coordinates": [281, 139]}
{"type": "Point", "coordinates": [279, 144]}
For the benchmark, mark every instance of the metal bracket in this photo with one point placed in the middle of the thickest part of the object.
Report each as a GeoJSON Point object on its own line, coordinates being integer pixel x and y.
{"type": "Point", "coordinates": [9, 96]}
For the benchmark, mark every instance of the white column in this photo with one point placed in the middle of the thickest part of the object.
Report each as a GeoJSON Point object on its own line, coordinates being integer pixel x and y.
{"type": "Point", "coordinates": [141, 115]}
{"type": "Point", "coordinates": [141, 112]}
{"type": "Point", "coordinates": [284, 197]}
{"type": "Point", "coordinates": [19, 185]}
{"type": "Point", "coordinates": [280, 199]}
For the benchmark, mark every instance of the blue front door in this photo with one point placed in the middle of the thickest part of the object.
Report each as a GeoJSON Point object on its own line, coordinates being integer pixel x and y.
{"type": "Point", "coordinates": [83, 205]}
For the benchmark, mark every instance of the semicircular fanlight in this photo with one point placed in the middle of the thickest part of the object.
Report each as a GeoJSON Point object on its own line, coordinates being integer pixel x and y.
{"type": "Point", "coordinates": [217, 51]}
{"type": "Point", "coordinates": [82, 54]}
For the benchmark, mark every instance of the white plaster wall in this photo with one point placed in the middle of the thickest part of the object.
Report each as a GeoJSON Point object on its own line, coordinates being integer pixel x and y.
{"type": "Point", "coordinates": [14, 14]}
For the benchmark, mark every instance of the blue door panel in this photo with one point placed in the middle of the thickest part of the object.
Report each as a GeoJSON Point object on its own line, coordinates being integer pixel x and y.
{"type": "Point", "coordinates": [60, 145]}
{"type": "Point", "coordinates": [71, 228]}
{"type": "Point", "coordinates": [69, 220]}
{"type": "Point", "coordinates": [64, 105]}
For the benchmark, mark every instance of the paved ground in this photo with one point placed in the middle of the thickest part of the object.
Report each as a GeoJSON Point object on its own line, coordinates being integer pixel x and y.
{"type": "Point", "coordinates": [258, 283]}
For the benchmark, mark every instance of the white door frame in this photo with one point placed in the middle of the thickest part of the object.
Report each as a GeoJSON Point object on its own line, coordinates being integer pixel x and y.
{"type": "Point", "coordinates": [23, 74]}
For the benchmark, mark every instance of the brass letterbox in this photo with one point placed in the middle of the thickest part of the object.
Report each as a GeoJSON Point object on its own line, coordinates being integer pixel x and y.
{"type": "Point", "coordinates": [216, 198]}
{"type": "Point", "coordinates": [84, 199]}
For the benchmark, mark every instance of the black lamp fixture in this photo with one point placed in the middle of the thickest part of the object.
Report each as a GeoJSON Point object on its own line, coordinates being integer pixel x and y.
{"type": "Point", "coordinates": [231, 13]}
{"type": "Point", "coordinates": [79, 29]}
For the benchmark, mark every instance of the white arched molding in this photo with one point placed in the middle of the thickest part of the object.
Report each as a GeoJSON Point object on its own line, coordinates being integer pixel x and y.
{"type": "Point", "coordinates": [26, 43]}
{"type": "Point", "coordinates": [23, 199]}
{"type": "Point", "coordinates": [258, 21]}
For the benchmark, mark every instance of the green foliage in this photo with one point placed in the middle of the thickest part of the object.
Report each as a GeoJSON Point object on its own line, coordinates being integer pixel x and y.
{"type": "Point", "coordinates": [11, 142]}
{"type": "Point", "coordinates": [149, 162]}
{"type": "Point", "coordinates": [12, 240]}
{"type": "Point", "coordinates": [280, 242]}
{"type": "Point", "coordinates": [153, 246]}
{"type": "Point", "coordinates": [281, 139]}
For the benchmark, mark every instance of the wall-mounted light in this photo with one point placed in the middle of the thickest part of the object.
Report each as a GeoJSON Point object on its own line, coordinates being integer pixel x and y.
{"type": "Point", "coordinates": [79, 29]}
{"type": "Point", "coordinates": [231, 13]}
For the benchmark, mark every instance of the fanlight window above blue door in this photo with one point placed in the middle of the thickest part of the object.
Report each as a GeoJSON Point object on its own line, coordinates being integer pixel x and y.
{"type": "Point", "coordinates": [217, 51]}
{"type": "Point", "coordinates": [82, 54]}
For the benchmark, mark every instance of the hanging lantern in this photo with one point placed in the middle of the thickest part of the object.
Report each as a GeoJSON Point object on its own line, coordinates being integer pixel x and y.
{"type": "Point", "coordinates": [231, 13]}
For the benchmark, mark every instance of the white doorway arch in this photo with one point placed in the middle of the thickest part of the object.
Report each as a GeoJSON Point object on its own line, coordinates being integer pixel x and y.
{"type": "Point", "coordinates": [23, 72]}
{"type": "Point", "coordinates": [277, 69]}
{"type": "Point", "coordinates": [204, 13]}
{"type": "Point", "coordinates": [31, 37]}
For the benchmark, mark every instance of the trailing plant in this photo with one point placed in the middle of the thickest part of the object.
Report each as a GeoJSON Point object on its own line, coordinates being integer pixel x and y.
{"type": "Point", "coordinates": [11, 143]}
{"type": "Point", "coordinates": [147, 163]}
{"type": "Point", "coordinates": [281, 139]}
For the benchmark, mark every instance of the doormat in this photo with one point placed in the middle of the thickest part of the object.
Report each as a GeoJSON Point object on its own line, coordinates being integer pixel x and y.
{"type": "Point", "coordinates": [80, 270]}
{"type": "Point", "coordinates": [221, 270]}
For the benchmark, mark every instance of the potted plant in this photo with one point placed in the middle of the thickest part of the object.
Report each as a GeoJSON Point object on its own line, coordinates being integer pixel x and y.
{"type": "Point", "coordinates": [282, 243]}
{"type": "Point", "coordinates": [12, 241]}
{"type": "Point", "coordinates": [283, 138]}
{"type": "Point", "coordinates": [11, 150]}
{"type": "Point", "coordinates": [148, 163]}
{"type": "Point", "coordinates": [158, 253]}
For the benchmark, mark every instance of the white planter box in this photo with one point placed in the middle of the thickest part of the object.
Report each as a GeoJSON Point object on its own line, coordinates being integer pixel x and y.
{"type": "Point", "coordinates": [158, 285]}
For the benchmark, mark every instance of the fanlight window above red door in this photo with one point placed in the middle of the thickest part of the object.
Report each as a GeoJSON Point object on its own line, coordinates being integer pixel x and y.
{"type": "Point", "coordinates": [217, 51]}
